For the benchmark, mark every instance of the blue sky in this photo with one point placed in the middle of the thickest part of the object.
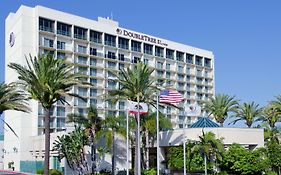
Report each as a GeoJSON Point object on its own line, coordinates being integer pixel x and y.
{"type": "Point", "coordinates": [244, 35]}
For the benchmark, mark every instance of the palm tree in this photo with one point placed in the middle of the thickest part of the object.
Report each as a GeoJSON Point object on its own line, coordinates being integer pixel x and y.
{"type": "Point", "coordinates": [12, 98]}
{"type": "Point", "coordinates": [136, 84]}
{"type": "Point", "coordinates": [92, 124]}
{"type": "Point", "coordinates": [47, 80]}
{"type": "Point", "coordinates": [249, 112]}
{"type": "Point", "coordinates": [271, 116]}
{"type": "Point", "coordinates": [220, 105]}
{"type": "Point", "coordinates": [209, 146]}
{"type": "Point", "coordinates": [111, 126]}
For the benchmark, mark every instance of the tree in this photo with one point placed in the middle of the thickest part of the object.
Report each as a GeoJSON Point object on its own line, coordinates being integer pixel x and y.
{"type": "Point", "coordinates": [209, 145]}
{"type": "Point", "coordinates": [47, 80]}
{"type": "Point", "coordinates": [12, 98]}
{"type": "Point", "coordinates": [136, 84]}
{"type": "Point", "coordinates": [239, 160]}
{"type": "Point", "coordinates": [249, 112]}
{"type": "Point", "coordinates": [71, 147]}
{"type": "Point", "coordinates": [111, 126]}
{"type": "Point", "coordinates": [92, 124]}
{"type": "Point", "coordinates": [270, 116]}
{"type": "Point", "coordinates": [220, 105]}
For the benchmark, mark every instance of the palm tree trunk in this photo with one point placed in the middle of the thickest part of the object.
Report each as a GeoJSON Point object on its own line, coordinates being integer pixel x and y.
{"type": "Point", "coordinates": [113, 154]}
{"type": "Point", "coordinates": [47, 141]}
{"type": "Point", "coordinates": [136, 150]}
{"type": "Point", "coordinates": [147, 149]}
{"type": "Point", "coordinates": [93, 152]}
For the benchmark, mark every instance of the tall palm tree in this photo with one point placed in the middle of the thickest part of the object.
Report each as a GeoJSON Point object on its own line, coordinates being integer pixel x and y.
{"type": "Point", "coordinates": [92, 124]}
{"type": "Point", "coordinates": [113, 125]}
{"type": "Point", "coordinates": [220, 105]}
{"type": "Point", "coordinates": [249, 112]}
{"type": "Point", "coordinates": [209, 146]}
{"type": "Point", "coordinates": [135, 84]}
{"type": "Point", "coordinates": [47, 80]}
{"type": "Point", "coordinates": [270, 116]}
{"type": "Point", "coordinates": [12, 98]}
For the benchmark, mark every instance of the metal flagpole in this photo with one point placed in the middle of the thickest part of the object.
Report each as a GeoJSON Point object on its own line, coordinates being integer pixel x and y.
{"type": "Point", "coordinates": [127, 137]}
{"type": "Point", "coordinates": [157, 134]}
{"type": "Point", "coordinates": [138, 138]}
{"type": "Point", "coordinates": [184, 158]}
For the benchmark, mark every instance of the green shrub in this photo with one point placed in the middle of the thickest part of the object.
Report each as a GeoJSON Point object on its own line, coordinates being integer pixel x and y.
{"type": "Point", "coordinates": [104, 172]}
{"type": "Point", "coordinates": [223, 173]}
{"type": "Point", "coordinates": [40, 171]}
{"type": "Point", "coordinates": [271, 173]}
{"type": "Point", "coordinates": [55, 172]}
{"type": "Point", "coordinates": [149, 172]}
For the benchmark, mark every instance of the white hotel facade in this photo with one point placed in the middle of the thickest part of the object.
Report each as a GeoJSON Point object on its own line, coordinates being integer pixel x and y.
{"type": "Point", "coordinates": [98, 47]}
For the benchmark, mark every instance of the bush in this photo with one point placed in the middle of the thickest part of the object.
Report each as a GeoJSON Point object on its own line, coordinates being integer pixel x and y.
{"type": "Point", "coordinates": [149, 172]}
{"type": "Point", "coordinates": [104, 172]}
{"type": "Point", "coordinates": [223, 173]}
{"type": "Point", "coordinates": [271, 173]}
{"type": "Point", "coordinates": [40, 171]}
{"type": "Point", "coordinates": [55, 172]}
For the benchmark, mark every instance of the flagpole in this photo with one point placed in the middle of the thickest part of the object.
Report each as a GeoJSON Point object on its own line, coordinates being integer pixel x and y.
{"type": "Point", "coordinates": [157, 133]}
{"type": "Point", "coordinates": [127, 141]}
{"type": "Point", "coordinates": [138, 138]}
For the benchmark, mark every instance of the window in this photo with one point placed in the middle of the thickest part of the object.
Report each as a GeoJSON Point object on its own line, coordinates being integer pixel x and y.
{"type": "Point", "coordinates": [111, 65]}
{"type": "Point", "coordinates": [123, 43]}
{"type": "Point", "coordinates": [40, 110]}
{"type": "Point", "coordinates": [93, 61]}
{"type": "Point", "coordinates": [82, 60]}
{"type": "Point", "coordinates": [93, 51]}
{"type": "Point", "coordinates": [60, 45]}
{"type": "Point", "coordinates": [63, 29]}
{"type": "Point", "coordinates": [93, 72]}
{"type": "Point", "coordinates": [110, 75]}
{"type": "Point", "coordinates": [207, 62]}
{"type": "Point", "coordinates": [110, 40]}
{"type": "Point", "coordinates": [121, 105]}
{"type": "Point", "coordinates": [168, 75]}
{"type": "Point", "coordinates": [121, 66]}
{"type": "Point", "coordinates": [46, 25]}
{"type": "Point", "coordinates": [136, 46]}
{"type": "Point", "coordinates": [110, 55]}
{"type": "Point", "coordinates": [61, 111]}
{"type": "Point", "coordinates": [145, 61]}
{"type": "Point", "coordinates": [169, 54]}
{"type": "Point", "coordinates": [59, 102]}
{"type": "Point", "coordinates": [189, 58]}
{"type": "Point", "coordinates": [48, 42]}
{"type": "Point", "coordinates": [60, 122]}
{"type": "Point", "coordinates": [168, 66]}
{"type": "Point", "coordinates": [93, 81]}
{"type": "Point", "coordinates": [180, 69]}
{"type": "Point", "coordinates": [80, 33]}
{"type": "Point", "coordinates": [159, 73]}
{"type": "Point", "coordinates": [199, 73]}
{"type": "Point", "coordinates": [148, 49]}
{"type": "Point", "coordinates": [136, 59]}
{"type": "Point", "coordinates": [180, 56]}
{"type": "Point", "coordinates": [82, 91]}
{"type": "Point", "coordinates": [121, 57]}
{"type": "Point", "coordinates": [111, 84]}
{"type": "Point", "coordinates": [81, 111]}
{"type": "Point", "coordinates": [82, 102]}
{"type": "Point", "coordinates": [93, 102]}
{"type": "Point", "coordinates": [93, 92]}
{"type": "Point", "coordinates": [198, 60]}
{"type": "Point", "coordinates": [60, 55]}
{"type": "Point", "coordinates": [95, 36]}
{"type": "Point", "coordinates": [180, 77]}
{"type": "Point", "coordinates": [81, 49]}
{"type": "Point", "coordinates": [159, 65]}
{"type": "Point", "coordinates": [188, 70]}
{"type": "Point", "coordinates": [83, 70]}
{"type": "Point", "coordinates": [159, 51]}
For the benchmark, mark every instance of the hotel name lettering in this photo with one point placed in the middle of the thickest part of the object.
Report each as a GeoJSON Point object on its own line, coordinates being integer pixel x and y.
{"type": "Point", "coordinates": [140, 37]}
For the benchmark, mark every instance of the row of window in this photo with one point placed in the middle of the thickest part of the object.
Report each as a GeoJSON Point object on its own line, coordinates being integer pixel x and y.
{"type": "Point", "coordinates": [123, 43]}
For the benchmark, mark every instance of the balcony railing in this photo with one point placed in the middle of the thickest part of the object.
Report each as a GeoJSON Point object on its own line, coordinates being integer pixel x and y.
{"type": "Point", "coordinates": [63, 32]}
{"type": "Point", "coordinates": [96, 40]}
{"type": "Point", "coordinates": [82, 37]}
{"type": "Point", "coordinates": [123, 46]}
{"type": "Point", "coordinates": [47, 29]}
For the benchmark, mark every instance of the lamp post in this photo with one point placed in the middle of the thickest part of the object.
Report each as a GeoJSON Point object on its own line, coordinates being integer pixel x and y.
{"type": "Point", "coordinates": [184, 156]}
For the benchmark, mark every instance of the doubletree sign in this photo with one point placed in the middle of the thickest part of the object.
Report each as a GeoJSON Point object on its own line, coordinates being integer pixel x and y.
{"type": "Point", "coordinates": [140, 37]}
{"type": "Point", "coordinates": [12, 39]}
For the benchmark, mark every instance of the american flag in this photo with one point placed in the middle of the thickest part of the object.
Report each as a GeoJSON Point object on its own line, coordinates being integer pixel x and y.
{"type": "Point", "coordinates": [170, 96]}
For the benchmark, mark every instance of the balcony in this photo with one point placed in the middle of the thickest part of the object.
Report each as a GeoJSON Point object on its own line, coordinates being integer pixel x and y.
{"type": "Point", "coordinates": [110, 43]}
{"type": "Point", "coordinates": [82, 37]}
{"type": "Point", "coordinates": [123, 46]}
{"type": "Point", "coordinates": [96, 40]}
{"type": "Point", "coordinates": [46, 29]}
{"type": "Point", "coordinates": [63, 32]}
{"type": "Point", "coordinates": [111, 56]}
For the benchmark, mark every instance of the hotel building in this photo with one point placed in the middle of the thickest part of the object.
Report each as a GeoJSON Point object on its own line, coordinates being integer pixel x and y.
{"type": "Point", "coordinates": [99, 48]}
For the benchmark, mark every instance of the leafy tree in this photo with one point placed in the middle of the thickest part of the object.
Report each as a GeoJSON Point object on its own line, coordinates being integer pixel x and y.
{"type": "Point", "coordinates": [270, 116]}
{"type": "Point", "coordinates": [111, 126]}
{"type": "Point", "coordinates": [12, 98]}
{"type": "Point", "coordinates": [220, 105]}
{"type": "Point", "coordinates": [239, 160]}
{"type": "Point", "coordinates": [71, 147]}
{"type": "Point", "coordinates": [136, 84]}
{"type": "Point", "coordinates": [248, 112]}
{"type": "Point", "coordinates": [47, 80]}
{"type": "Point", "coordinates": [92, 124]}
{"type": "Point", "coordinates": [273, 150]}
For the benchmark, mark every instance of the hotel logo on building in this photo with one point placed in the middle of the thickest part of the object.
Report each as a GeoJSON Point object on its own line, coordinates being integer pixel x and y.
{"type": "Point", "coordinates": [140, 37]}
